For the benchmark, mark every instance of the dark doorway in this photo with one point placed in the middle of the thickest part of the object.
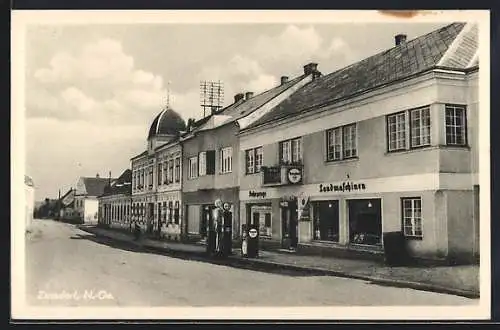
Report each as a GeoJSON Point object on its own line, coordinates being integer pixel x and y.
{"type": "Point", "coordinates": [151, 210]}
{"type": "Point", "coordinates": [159, 219]}
{"type": "Point", "coordinates": [206, 219]}
{"type": "Point", "coordinates": [365, 221]}
{"type": "Point", "coordinates": [289, 224]}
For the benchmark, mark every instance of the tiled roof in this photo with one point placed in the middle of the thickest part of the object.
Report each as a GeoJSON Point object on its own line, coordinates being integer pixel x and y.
{"type": "Point", "coordinates": [95, 186]}
{"type": "Point", "coordinates": [144, 153]}
{"type": "Point", "coordinates": [122, 185]}
{"type": "Point", "coordinates": [400, 62]}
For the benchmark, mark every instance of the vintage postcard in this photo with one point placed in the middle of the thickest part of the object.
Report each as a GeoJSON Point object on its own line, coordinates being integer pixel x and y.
{"type": "Point", "coordinates": [250, 165]}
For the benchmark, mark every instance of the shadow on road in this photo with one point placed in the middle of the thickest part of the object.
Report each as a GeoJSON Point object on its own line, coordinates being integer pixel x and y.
{"type": "Point", "coordinates": [200, 257]}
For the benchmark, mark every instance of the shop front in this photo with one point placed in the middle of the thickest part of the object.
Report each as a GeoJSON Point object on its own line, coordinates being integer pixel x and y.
{"type": "Point", "coordinates": [168, 219]}
{"type": "Point", "coordinates": [199, 206]}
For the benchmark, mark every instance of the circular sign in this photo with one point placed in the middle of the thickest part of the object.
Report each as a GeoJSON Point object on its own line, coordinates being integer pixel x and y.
{"type": "Point", "coordinates": [252, 233]}
{"type": "Point", "coordinates": [227, 206]}
{"type": "Point", "coordinates": [294, 175]}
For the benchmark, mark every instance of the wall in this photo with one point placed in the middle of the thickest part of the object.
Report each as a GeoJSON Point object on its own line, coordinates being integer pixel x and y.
{"type": "Point", "coordinates": [215, 139]}
{"type": "Point", "coordinates": [91, 208]}
{"type": "Point", "coordinates": [460, 224]}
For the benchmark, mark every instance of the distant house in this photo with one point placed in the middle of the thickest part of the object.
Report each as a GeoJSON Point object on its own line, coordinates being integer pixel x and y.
{"type": "Point", "coordinates": [86, 203]}
{"type": "Point", "coordinates": [67, 210]}
{"type": "Point", "coordinates": [29, 189]}
{"type": "Point", "coordinates": [115, 202]}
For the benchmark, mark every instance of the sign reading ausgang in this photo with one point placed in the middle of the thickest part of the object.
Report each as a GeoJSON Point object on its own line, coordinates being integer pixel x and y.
{"type": "Point", "coordinates": [343, 187]}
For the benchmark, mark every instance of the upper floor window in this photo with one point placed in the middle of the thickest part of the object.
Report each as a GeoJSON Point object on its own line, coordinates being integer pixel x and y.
{"type": "Point", "coordinates": [456, 127]}
{"type": "Point", "coordinates": [178, 169]}
{"type": "Point", "coordinates": [202, 163]}
{"type": "Point", "coordinates": [165, 172]}
{"type": "Point", "coordinates": [409, 128]}
{"type": "Point", "coordinates": [226, 160]}
{"type": "Point", "coordinates": [341, 143]}
{"type": "Point", "coordinates": [193, 167]}
{"type": "Point", "coordinates": [291, 151]}
{"type": "Point", "coordinates": [253, 160]}
{"type": "Point", "coordinates": [170, 171]}
{"type": "Point", "coordinates": [159, 175]}
{"type": "Point", "coordinates": [412, 217]}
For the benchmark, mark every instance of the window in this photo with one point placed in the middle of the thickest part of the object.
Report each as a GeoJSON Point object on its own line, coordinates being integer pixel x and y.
{"type": "Point", "coordinates": [291, 151]}
{"type": "Point", "coordinates": [177, 169]}
{"type": "Point", "coordinates": [165, 172]}
{"type": "Point", "coordinates": [253, 160]}
{"type": "Point", "coordinates": [412, 217]}
{"type": "Point", "coordinates": [326, 221]}
{"type": "Point", "coordinates": [210, 162]}
{"type": "Point", "coordinates": [226, 160]}
{"type": "Point", "coordinates": [202, 163]}
{"type": "Point", "coordinates": [396, 130]}
{"type": "Point", "coordinates": [159, 175]}
{"type": "Point", "coordinates": [420, 127]}
{"type": "Point", "coordinates": [170, 171]}
{"type": "Point", "coordinates": [150, 178]}
{"type": "Point", "coordinates": [193, 168]}
{"type": "Point", "coordinates": [455, 125]}
{"type": "Point", "coordinates": [341, 143]}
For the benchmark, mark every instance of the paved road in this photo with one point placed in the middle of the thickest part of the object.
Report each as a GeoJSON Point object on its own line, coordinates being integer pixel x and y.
{"type": "Point", "coordinates": [69, 267]}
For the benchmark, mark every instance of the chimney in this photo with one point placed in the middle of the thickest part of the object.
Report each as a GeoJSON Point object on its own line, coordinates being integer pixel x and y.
{"type": "Point", "coordinates": [284, 80]}
{"type": "Point", "coordinates": [310, 68]}
{"type": "Point", "coordinates": [248, 95]}
{"type": "Point", "coordinates": [400, 38]}
{"type": "Point", "coordinates": [97, 175]}
{"type": "Point", "coordinates": [238, 97]}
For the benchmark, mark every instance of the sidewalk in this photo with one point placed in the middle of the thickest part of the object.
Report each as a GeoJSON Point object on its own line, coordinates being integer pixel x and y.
{"type": "Point", "coordinates": [457, 280]}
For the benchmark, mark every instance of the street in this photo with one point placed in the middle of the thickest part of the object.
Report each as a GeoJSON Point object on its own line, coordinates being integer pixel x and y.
{"type": "Point", "coordinates": [69, 267]}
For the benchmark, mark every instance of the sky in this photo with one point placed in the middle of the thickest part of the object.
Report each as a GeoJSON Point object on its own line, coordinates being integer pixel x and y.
{"type": "Point", "coordinates": [92, 90]}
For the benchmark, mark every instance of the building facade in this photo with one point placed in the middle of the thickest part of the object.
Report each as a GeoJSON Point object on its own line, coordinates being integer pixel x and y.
{"type": "Point", "coordinates": [115, 203]}
{"type": "Point", "coordinates": [387, 144]}
{"type": "Point", "coordinates": [86, 204]}
{"type": "Point", "coordinates": [210, 150]}
{"type": "Point", "coordinates": [157, 178]}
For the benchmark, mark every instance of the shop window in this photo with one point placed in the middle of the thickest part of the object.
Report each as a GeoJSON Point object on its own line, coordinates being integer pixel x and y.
{"type": "Point", "coordinates": [176, 214]}
{"type": "Point", "coordinates": [326, 221]}
{"type": "Point", "coordinates": [365, 221]}
{"type": "Point", "coordinates": [412, 217]}
{"type": "Point", "coordinates": [456, 125]}
{"type": "Point", "coordinates": [262, 218]}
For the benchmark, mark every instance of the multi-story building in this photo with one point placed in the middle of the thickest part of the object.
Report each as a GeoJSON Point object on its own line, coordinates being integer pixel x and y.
{"type": "Point", "coordinates": [86, 204]}
{"type": "Point", "coordinates": [157, 177]}
{"type": "Point", "coordinates": [387, 144]}
{"type": "Point", "coordinates": [210, 149]}
{"type": "Point", "coordinates": [115, 203]}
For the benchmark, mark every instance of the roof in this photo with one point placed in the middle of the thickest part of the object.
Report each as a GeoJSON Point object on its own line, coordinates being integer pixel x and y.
{"type": "Point", "coordinates": [167, 122]}
{"type": "Point", "coordinates": [122, 185]}
{"type": "Point", "coordinates": [403, 61]}
{"type": "Point", "coordinates": [95, 186]}
{"type": "Point", "coordinates": [144, 153]}
{"type": "Point", "coordinates": [242, 108]}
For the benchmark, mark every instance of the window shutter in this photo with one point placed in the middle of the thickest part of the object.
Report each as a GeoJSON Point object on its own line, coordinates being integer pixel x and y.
{"type": "Point", "coordinates": [210, 162]}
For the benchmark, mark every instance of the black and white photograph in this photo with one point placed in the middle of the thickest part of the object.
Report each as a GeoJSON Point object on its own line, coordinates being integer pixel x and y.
{"type": "Point", "coordinates": [250, 165]}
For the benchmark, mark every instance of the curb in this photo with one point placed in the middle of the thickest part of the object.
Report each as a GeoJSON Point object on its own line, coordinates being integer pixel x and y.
{"type": "Point", "coordinates": [234, 261]}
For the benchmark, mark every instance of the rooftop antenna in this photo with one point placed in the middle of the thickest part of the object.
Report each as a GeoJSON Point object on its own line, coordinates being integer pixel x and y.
{"type": "Point", "coordinates": [211, 96]}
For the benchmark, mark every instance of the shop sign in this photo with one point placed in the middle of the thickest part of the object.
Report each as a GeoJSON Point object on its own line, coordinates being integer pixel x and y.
{"type": "Point", "coordinates": [294, 175]}
{"type": "Point", "coordinates": [344, 187]}
{"type": "Point", "coordinates": [257, 194]}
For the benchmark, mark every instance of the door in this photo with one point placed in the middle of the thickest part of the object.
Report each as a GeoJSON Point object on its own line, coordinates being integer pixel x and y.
{"type": "Point", "coordinates": [289, 224]}
{"type": "Point", "coordinates": [159, 218]}
{"type": "Point", "coordinates": [151, 210]}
